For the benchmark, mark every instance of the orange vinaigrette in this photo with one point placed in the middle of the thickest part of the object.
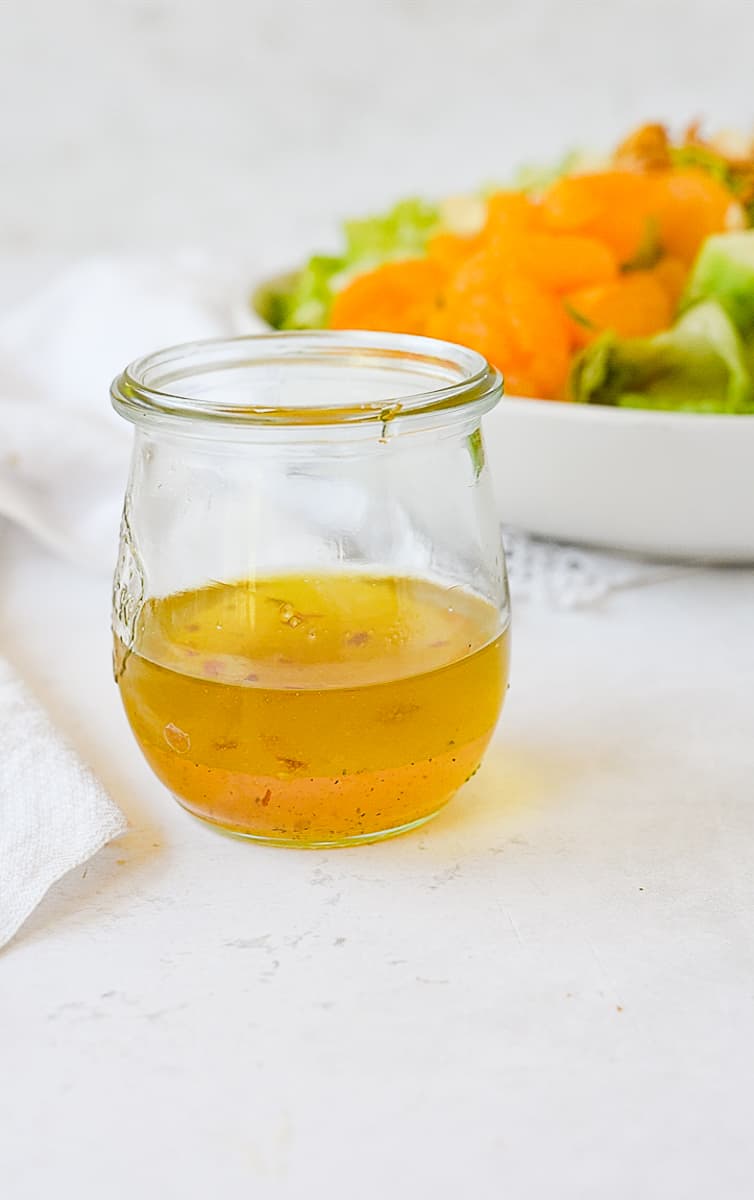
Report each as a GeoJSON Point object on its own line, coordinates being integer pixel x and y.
{"type": "Point", "coordinates": [315, 710]}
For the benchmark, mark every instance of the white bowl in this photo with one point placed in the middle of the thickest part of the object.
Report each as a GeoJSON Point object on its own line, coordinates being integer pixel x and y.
{"type": "Point", "coordinates": [660, 484]}
{"type": "Point", "coordinates": [667, 485]}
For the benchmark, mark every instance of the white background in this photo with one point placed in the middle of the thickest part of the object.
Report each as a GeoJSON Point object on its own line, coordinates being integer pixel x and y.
{"type": "Point", "coordinates": [248, 125]}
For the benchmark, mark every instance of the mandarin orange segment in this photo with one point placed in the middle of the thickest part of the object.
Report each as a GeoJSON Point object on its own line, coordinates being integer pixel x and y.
{"type": "Point", "coordinates": [541, 333]}
{"type": "Point", "coordinates": [451, 249]}
{"type": "Point", "coordinates": [397, 297]}
{"type": "Point", "coordinates": [558, 263]}
{"type": "Point", "coordinates": [520, 382]}
{"type": "Point", "coordinates": [672, 274]}
{"type": "Point", "coordinates": [635, 306]}
{"type": "Point", "coordinates": [612, 206]}
{"type": "Point", "coordinates": [477, 321]}
{"type": "Point", "coordinates": [690, 205]}
{"type": "Point", "coordinates": [515, 323]}
{"type": "Point", "coordinates": [479, 273]}
{"type": "Point", "coordinates": [510, 212]}
{"type": "Point", "coordinates": [571, 204]}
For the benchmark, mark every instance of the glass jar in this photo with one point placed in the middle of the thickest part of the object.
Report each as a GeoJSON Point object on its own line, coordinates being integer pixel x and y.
{"type": "Point", "coordinates": [310, 606]}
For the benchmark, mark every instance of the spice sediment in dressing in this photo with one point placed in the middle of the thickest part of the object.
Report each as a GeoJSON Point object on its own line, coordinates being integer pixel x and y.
{"type": "Point", "coordinates": [315, 709]}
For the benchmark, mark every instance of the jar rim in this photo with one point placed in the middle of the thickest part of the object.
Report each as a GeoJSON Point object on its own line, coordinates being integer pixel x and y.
{"type": "Point", "coordinates": [149, 388]}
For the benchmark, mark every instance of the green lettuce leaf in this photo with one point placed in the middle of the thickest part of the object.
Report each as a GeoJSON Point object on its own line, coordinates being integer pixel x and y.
{"type": "Point", "coordinates": [700, 365]}
{"type": "Point", "coordinates": [303, 300]}
{"type": "Point", "coordinates": [307, 302]}
{"type": "Point", "coordinates": [736, 177]}
{"type": "Point", "coordinates": [706, 159]}
{"type": "Point", "coordinates": [534, 178]}
{"type": "Point", "coordinates": [400, 233]}
{"type": "Point", "coordinates": [724, 271]}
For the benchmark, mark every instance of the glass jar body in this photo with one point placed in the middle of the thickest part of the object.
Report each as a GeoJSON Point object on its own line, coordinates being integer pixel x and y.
{"type": "Point", "coordinates": [311, 625]}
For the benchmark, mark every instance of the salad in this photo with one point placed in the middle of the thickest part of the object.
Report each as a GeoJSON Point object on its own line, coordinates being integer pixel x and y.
{"type": "Point", "coordinates": [627, 281]}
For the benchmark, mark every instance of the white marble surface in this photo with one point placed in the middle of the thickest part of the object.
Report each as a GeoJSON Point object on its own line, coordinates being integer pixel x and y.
{"type": "Point", "coordinates": [548, 992]}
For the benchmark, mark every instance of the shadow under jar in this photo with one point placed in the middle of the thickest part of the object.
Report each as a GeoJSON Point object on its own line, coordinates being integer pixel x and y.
{"type": "Point", "coordinates": [310, 606]}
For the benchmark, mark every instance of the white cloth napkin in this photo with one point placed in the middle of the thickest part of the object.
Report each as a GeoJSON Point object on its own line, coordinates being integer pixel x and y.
{"type": "Point", "coordinates": [63, 452]}
{"type": "Point", "coordinates": [63, 465]}
{"type": "Point", "coordinates": [54, 814]}
{"type": "Point", "coordinates": [569, 577]}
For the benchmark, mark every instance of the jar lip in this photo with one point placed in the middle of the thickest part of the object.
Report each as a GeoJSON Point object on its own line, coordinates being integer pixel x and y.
{"type": "Point", "coordinates": [149, 388]}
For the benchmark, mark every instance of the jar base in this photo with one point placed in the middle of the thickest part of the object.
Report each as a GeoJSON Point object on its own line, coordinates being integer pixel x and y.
{"type": "Point", "coordinates": [291, 843]}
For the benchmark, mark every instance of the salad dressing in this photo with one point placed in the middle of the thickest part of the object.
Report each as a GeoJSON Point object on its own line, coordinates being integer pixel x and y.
{"type": "Point", "coordinates": [315, 709]}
